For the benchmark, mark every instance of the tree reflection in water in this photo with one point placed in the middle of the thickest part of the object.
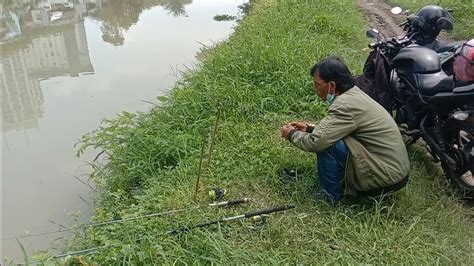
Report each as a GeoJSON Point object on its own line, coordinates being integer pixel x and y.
{"type": "Point", "coordinates": [117, 16]}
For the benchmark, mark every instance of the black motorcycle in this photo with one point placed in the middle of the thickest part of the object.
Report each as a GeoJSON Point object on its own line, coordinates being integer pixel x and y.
{"type": "Point", "coordinates": [426, 98]}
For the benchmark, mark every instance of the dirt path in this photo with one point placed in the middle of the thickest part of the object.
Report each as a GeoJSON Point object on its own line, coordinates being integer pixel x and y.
{"type": "Point", "coordinates": [377, 13]}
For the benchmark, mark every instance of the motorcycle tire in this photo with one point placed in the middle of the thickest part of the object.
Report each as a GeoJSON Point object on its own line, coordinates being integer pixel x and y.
{"type": "Point", "coordinates": [457, 134]}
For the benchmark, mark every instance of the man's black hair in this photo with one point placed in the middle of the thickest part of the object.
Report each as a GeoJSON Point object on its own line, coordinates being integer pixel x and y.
{"type": "Point", "coordinates": [334, 69]}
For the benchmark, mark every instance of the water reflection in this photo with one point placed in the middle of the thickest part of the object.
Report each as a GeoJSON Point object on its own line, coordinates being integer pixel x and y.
{"type": "Point", "coordinates": [118, 16]}
{"type": "Point", "coordinates": [48, 39]}
{"type": "Point", "coordinates": [48, 101]}
{"type": "Point", "coordinates": [40, 53]}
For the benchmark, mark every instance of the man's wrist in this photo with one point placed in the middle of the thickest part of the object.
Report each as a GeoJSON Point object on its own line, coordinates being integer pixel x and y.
{"type": "Point", "coordinates": [290, 134]}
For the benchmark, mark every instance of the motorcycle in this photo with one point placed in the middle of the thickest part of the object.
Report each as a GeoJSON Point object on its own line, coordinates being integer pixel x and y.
{"type": "Point", "coordinates": [425, 96]}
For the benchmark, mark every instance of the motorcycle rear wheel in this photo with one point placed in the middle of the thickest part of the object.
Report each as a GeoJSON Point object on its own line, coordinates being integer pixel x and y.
{"type": "Point", "coordinates": [458, 134]}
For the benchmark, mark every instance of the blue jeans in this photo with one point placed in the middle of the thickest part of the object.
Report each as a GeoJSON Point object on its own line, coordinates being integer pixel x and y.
{"type": "Point", "coordinates": [331, 163]}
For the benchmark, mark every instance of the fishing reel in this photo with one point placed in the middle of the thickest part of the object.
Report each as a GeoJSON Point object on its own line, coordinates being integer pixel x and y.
{"type": "Point", "coordinates": [259, 220]}
{"type": "Point", "coordinates": [217, 194]}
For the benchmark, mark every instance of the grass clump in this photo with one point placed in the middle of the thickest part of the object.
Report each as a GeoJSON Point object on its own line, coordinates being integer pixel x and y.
{"type": "Point", "coordinates": [463, 12]}
{"type": "Point", "coordinates": [261, 77]}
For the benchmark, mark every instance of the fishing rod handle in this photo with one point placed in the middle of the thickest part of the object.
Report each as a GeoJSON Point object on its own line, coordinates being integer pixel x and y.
{"type": "Point", "coordinates": [230, 202]}
{"type": "Point", "coordinates": [270, 210]}
{"type": "Point", "coordinates": [238, 201]}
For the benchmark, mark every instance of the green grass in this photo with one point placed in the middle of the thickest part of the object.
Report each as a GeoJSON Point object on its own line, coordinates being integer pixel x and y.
{"type": "Point", "coordinates": [261, 77]}
{"type": "Point", "coordinates": [462, 15]}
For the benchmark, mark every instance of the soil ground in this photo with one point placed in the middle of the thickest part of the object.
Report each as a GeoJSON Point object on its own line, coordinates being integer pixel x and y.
{"type": "Point", "coordinates": [378, 15]}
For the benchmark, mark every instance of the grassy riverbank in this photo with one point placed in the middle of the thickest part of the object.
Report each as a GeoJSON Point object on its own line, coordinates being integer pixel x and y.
{"type": "Point", "coordinates": [462, 14]}
{"type": "Point", "coordinates": [261, 77]}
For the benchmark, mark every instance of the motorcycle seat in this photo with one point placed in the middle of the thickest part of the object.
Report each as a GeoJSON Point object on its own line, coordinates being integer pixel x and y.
{"type": "Point", "coordinates": [442, 46]}
{"type": "Point", "coordinates": [430, 84]}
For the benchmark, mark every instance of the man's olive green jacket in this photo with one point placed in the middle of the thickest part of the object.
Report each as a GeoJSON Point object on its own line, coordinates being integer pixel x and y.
{"type": "Point", "coordinates": [378, 157]}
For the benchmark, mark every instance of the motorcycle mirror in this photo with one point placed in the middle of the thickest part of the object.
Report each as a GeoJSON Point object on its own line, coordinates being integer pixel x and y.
{"type": "Point", "coordinates": [445, 24]}
{"type": "Point", "coordinates": [396, 10]}
{"type": "Point", "coordinates": [372, 33]}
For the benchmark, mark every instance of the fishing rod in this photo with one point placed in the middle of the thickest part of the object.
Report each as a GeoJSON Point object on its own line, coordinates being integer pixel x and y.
{"type": "Point", "coordinates": [109, 222]}
{"type": "Point", "coordinates": [215, 204]}
{"type": "Point", "coordinates": [185, 229]}
{"type": "Point", "coordinates": [233, 218]}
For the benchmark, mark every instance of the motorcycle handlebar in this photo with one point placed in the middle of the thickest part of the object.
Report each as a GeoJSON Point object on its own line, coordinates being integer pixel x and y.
{"type": "Point", "coordinates": [403, 24]}
{"type": "Point", "coordinates": [391, 47]}
{"type": "Point", "coordinates": [373, 45]}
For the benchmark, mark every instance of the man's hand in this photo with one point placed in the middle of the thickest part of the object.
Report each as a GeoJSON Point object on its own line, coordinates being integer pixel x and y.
{"type": "Point", "coordinates": [286, 129]}
{"type": "Point", "coordinates": [300, 126]}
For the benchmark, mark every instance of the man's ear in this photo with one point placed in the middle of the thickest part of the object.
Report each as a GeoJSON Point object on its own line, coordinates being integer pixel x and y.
{"type": "Point", "coordinates": [332, 86]}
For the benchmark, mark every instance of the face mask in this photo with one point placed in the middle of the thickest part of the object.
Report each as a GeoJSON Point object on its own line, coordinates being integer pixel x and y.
{"type": "Point", "coordinates": [331, 97]}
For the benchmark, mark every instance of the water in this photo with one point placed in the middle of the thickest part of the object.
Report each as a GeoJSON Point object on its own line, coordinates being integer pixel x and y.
{"type": "Point", "coordinates": [65, 66]}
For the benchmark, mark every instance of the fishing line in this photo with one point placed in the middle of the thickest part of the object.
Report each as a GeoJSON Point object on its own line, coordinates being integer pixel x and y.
{"type": "Point", "coordinates": [185, 229]}
{"type": "Point", "coordinates": [215, 204]}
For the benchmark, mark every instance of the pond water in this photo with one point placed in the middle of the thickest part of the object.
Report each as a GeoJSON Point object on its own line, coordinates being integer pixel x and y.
{"type": "Point", "coordinates": [67, 64]}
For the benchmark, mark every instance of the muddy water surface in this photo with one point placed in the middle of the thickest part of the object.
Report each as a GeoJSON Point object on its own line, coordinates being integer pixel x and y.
{"type": "Point", "coordinates": [65, 67]}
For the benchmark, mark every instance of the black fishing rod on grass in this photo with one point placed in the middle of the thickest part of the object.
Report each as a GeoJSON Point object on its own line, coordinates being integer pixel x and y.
{"type": "Point", "coordinates": [233, 218]}
{"type": "Point", "coordinates": [185, 229]}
